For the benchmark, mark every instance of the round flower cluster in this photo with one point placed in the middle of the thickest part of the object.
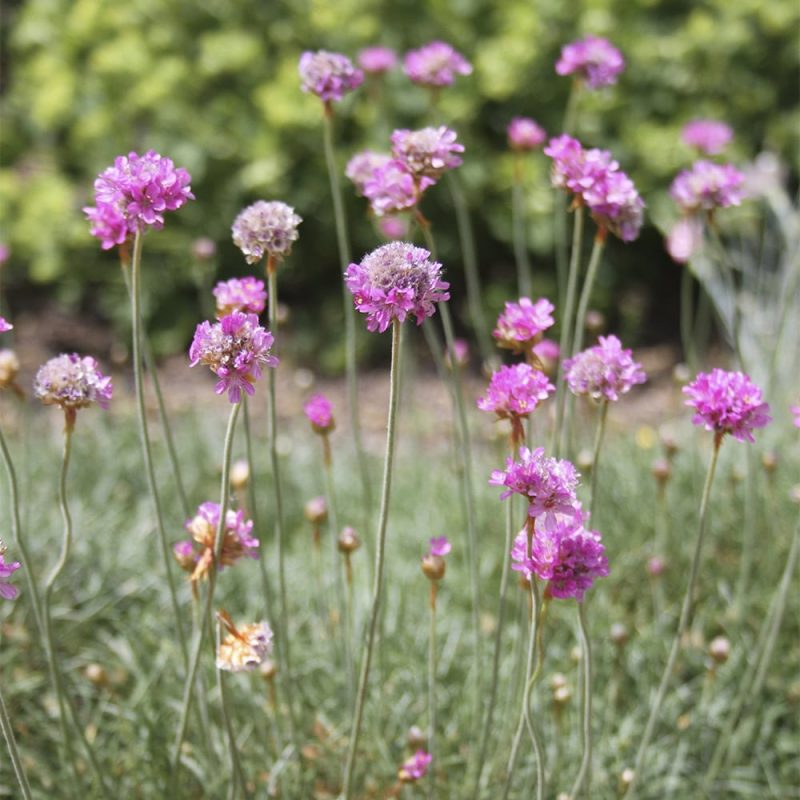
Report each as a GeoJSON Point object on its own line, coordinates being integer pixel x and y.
{"type": "Point", "coordinates": [706, 186]}
{"type": "Point", "coordinates": [394, 281]}
{"type": "Point", "coordinates": [525, 134]}
{"type": "Point", "coordinates": [133, 194]}
{"type": "Point", "coordinates": [415, 767]}
{"type": "Point", "coordinates": [328, 75]}
{"type": "Point", "coordinates": [361, 166]}
{"type": "Point", "coordinates": [72, 382]}
{"type": "Point", "coordinates": [435, 64]}
{"type": "Point", "coordinates": [515, 391]}
{"type": "Point", "coordinates": [243, 648]}
{"type": "Point", "coordinates": [709, 136]}
{"type": "Point", "coordinates": [265, 229]}
{"type": "Point", "coordinates": [592, 59]}
{"type": "Point", "coordinates": [428, 152]}
{"type": "Point", "coordinates": [5, 325]}
{"type": "Point", "coordinates": [604, 371]}
{"type": "Point", "coordinates": [520, 325]}
{"type": "Point", "coordinates": [392, 188]}
{"type": "Point", "coordinates": [319, 411]}
{"type": "Point", "coordinates": [235, 348]}
{"type": "Point", "coordinates": [240, 294]}
{"type": "Point", "coordinates": [433, 563]}
{"type": "Point", "coordinates": [377, 60]}
{"type": "Point", "coordinates": [7, 568]}
{"type": "Point", "coordinates": [727, 402]}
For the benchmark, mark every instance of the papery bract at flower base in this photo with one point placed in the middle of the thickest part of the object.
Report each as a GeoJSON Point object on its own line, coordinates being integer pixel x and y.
{"type": "Point", "coordinates": [593, 59]}
{"type": "Point", "coordinates": [604, 371]}
{"type": "Point", "coordinates": [265, 228]}
{"type": "Point", "coordinates": [435, 65]}
{"type": "Point", "coordinates": [240, 294]}
{"type": "Point", "coordinates": [330, 76]}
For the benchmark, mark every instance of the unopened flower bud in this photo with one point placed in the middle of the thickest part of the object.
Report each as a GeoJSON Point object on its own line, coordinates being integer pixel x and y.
{"type": "Point", "coordinates": [595, 322]}
{"type": "Point", "coordinates": [240, 475]}
{"type": "Point", "coordinates": [681, 374]}
{"type": "Point", "coordinates": [434, 567]}
{"type": "Point", "coordinates": [268, 669]}
{"type": "Point", "coordinates": [96, 674]}
{"type": "Point", "coordinates": [656, 566]}
{"type": "Point", "coordinates": [558, 681]}
{"type": "Point", "coordinates": [719, 649]}
{"type": "Point", "coordinates": [626, 778]}
{"type": "Point", "coordinates": [348, 541]}
{"type": "Point", "coordinates": [204, 249]}
{"type": "Point", "coordinates": [661, 471]}
{"type": "Point", "coordinates": [416, 737]}
{"type": "Point", "coordinates": [562, 695]}
{"type": "Point", "coordinates": [316, 510]}
{"type": "Point", "coordinates": [619, 634]}
{"type": "Point", "coordinates": [585, 461]}
{"type": "Point", "coordinates": [794, 494]}
{"type": "Point", "coordinates": [769, 460]}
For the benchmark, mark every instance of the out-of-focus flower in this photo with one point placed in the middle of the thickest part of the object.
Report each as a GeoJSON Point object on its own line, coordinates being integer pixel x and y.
{"type": "Point", "coordinates": [185, 554]}
{"type": "Point", "coordinates": [5, 253]}
{"type": "Point", "coordinates": [604, 371]}
{"type": "Point", "coordinates": [593, 59]}
{"type": "Point", "coordinates": [9, 369]}
{"type": "Point", "coordinates": [319, 411]}
{"type": "Point", "coordinates": [727, 402]}
{"type": "Point", "coordinates": [796, 414]}
{"type": "Point", "coordinates": [524, 134]}
{"type": "Point", "coordinates": [520, 325]}
{"type": "Point", "coordinates": [377, 60]}
{"type": "Point", "coordinates": [685, 238]}
{"type": "Point", "coordinates": [709, 136]}
{"type": "Point", "coordinates": [240, 294]}
{"type": "Point", "coordinates": [392, 188]}
{"type": "Point", "coordinates": [243, 648]}
{"type": "Point", "coordinates": [72, 382]}
{"type": "Point", "coordinates": [235, 349]}
{"type": "Point", "coordinates": [706, 186]}
{"type": "Point", "coordinates": [316, 510]}
{"type": "Point", "coordinates": [433, 563]}
{"type": "Point", "coordinates": [435, 65]}
{"type": "Point", "coordinates": [7, 568]}
{"type": "Point", "coordinates": [461, 352]}
{"type": "Point", "coordinates": [415, 767]}
{"type": "Point", "coordinates": [427, 152]}
{"type": "Point", "coordinates": [547, 352]}
{"type": "Point", "coordinates": [393, 228]}
{"type": "Point", "coordinates": [361, 166]}
{"type": "Point", "coordinates": [265, 228]}
{"type": "Point", "coordinates": [328, 75]}
{"type": "Point", "coordinates": [204, 249]}
{"type": "Point", "coordinates": [656, 566]}
{"type": "Point", "coordinates": [348, 540]}
{"type": "Point", "coordinates": [395, 281]}
{"type": "Point", "coordinates": [5, 325]}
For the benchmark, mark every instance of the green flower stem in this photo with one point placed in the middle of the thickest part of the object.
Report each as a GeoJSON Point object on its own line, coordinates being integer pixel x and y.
{"type": "Point", "coordinates": [584, 777]}
{"type": "Point", "coordinates": [200, 633]}
{"type": "Point", "coordinates": [524, 277]}
{"type": "Point", "coordinates": [683, 624]}
{"type": "Point", "coordinates": [432, 694]}
{"type": "Point", "coordinates": [349, 313]}
{"type": "Point", "coordinates": [236, 763]}
{"type": "Point", "coordinates": [586, 291]}
{"type": "Point", "coordinates": [687, 314]}
{"type": "Point", "coordinates": [598, 443]}
{"type": "Point", "coordinates": [13, 753]}
{"type": "Point", "coordinates": [749, 527]}
{"type": "Point", "coordinates": [138, 338]}
{"type": "Point", "coordinates": [394, 387]}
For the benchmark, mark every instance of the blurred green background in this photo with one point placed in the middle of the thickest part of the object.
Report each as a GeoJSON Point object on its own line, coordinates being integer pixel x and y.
{"type": "Point", "coordinates": [213, 84]}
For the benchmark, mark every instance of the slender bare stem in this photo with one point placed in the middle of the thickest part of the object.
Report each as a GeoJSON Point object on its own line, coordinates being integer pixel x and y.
{"type": "Point", "coordinates": [13, 753]}
{"type": "Point", "coordinates": [584, 778]}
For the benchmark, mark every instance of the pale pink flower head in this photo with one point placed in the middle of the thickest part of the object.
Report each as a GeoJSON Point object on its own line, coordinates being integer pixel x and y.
{"type": "Point", "coordinates": [240, 294]}
{"type": "Point", "coordinates": [393, 188]}
{"type": "Point", "coordinates": [395, 281]}
{"type": "Point", "coordinates": [393, 227]}
{"type": "Point", "coordinates": [727, 402]}
{"type": "Point", "coordinates": [244, 648]}
{"type": "Point", "coordinates": [319, 411]}
{"type": "Point", "coordinates": [656, 566]}
{"type": "Point", "coordinates": [428, 152]}
{"type": "Point", "coordinates": [204, 248]}
{"type": "Point", "coordinates": [439, 546]}
{"type": "Point", "coordinates": [265, 228]}
{"type": "Point", "coordinates": [525, 134]}
{"type": "Point", "coordinates": [515, 391]}
{"type": "Point", "coordinates": [5, 325]}
{"type": "Point", "coordinates": [235, 349]}
{"type": "Point", "coordinates": [603, 372]}
{"type": "Point", "coordinates": [461, 352]}
{"type": "Point", "coordinates": [361, 166]}
{"type": "Point", "coordinates": [330, 76]}
{"type": "Point", "coordinates": [377, 60]}
{"type": "Point", "coordinates": [706, 186]}
{"type": "Point", "coordinates": [133, 194]}
{"type": "Point", "coordinates": [593, 59]}
{"type": "Point", "coordinates": [615, 205]}
{"type": "Point", "coordinates": [709, 136]}
{"type": "Point", "coordinates": [520, 325]}
{"type": "Point", "coordinates": [685, 238]}
{"type": "Point", "coordinates": [72, 382]}
{"type": "Point", "coordinates": [7, 568]}
{"type": "Point", "coordinates": [185, 554]}
{"type": "Point", "coordinates": [415, 767]}
{"type": "Point", "coordinates": [435, 65]}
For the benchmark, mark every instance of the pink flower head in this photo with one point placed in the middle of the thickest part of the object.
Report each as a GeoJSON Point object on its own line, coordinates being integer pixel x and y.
{"type": "Point", "coordinates": [240, 294]}
{"type": "Point", "coordinates": [564, 554]}
{"type": "Point", "coordinates": [235, 348]}
{"type": "Point", "coordinates": [727, 402]}
{"type": "Point", "coordinates": [656, 566]}
{"type": "Point", "coordinates": [525, 134]}
{"type": "Point", "coordinates": [265, 229]}
{"type": "Point", "coordinates": [319, 411]}
{"type": "Point", "coordinates": [133, 194]}
{"type": "Point", "coordinates": [515, 391]}
{"type": "Point", "coordinates": [204, 248]}
{"type": "Point", "coordinates": [5, 325]}
{"type": "Point", "coordinates": [428, 152]}
{"type": "Point", "coordinates": [393, 188]}
{"type": "Point", "coordinates": [706, 186]}
{"type": "Point", "coordinates": [709, 136]}
{"type": "Point", "coordinates": [461, 352]}
{"type": "Point", "coordinates": [328, 75]}
{"type": "Point", "coordinates": [548, 352]}
{"type": "Point", "coordinates": [520, 325]}
{"type": "Point", "coordinates": [415, 767]}
{"type": "Point", "coordinates": [361, 167]}
{"type": "Point", "coordinates": [185, 554]}
{"type": "Point", "coordinates": [393, 228]}
{"type": "Point", "coordinates": [547, 483]}
{"type": "Point", "coordinates": [377, 60]}
{"type": "Point", "coordinates": [435, 65]}
{"type": "Point", "coordinates": [394, 281]}
{"type": "Point", "coordinates": [604, 371]}
{"type": "Point", "coordinates": [72, 382]}
{"type": "Point", "coordinates": [685, 238]}
{"type": "Point", "coordinates": [796, 414]}
{"type": "Point", "coordinates": [7, 568]}
{"type": "Point", "coordinates": [593, 59]}
{"type": "Point", "coordinates": [440, 546]}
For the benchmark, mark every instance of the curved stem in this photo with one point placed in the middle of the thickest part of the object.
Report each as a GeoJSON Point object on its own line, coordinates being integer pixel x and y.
{"type": "Point", "coordinates": [145, 438]}
{"type": "Point", "coordinates": [524, 278]}
{"type": "Point", "coordinates": [598, 443]}
{"type": "Point", "coordinates": [585, 772]}
{"type": "Point", "coordinates": [432, 695]}
{"type": "Point", "coordinates": [683, 624]}
{"type": "Point", "coordinates": [13, 753]}
{"type": "Point", "coordinates": [394, 386]}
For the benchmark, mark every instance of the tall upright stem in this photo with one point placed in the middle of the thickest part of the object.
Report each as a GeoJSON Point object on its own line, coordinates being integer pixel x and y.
{"type": "Point", "coordinates": [586, 291]}
{"type": "Point", "coordinates": [683, 623]}
{"type": "Point", "coordinates": [145, 437]}
{"type": "Point", "coordinates": [13, 753]}
{"type": "Point", "coordinates": [585, 772]}
{"type": "Point", "coordinates": [432, 695]}
{"type": "Point", "coordinates": [687, 316]}
{"type": "Point", "coordinates": [377, 590]}
{"type": "Point", "coordinates": [524, 278]}
{"type": "Point", "coordinates": [233, 748]}
{"type": "Point", "coordinates": [598, 443]}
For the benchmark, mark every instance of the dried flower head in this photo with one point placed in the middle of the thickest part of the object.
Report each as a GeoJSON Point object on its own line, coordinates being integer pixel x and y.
{"type": "Point", "coordinates": [7, 568]}
{"type": "Point", "coordinates": [395, 281]}
{"type": "Point", "coordinates": [240, 294]}
{"type": "Point", "coordinates": [435, 65]}
{"type": "Point", "coordinates": [593, 59]}
{"type": "Point", "coordinates": [706, 186]}
{"type": "Point", "coordinates": [243, 648]}
{"type": "Point", "coordinates": [72, 382]}
{"type": "Point", "coordinates": [428, 152]}
{"type": "Point", "coordinates": [604, 371]}
{"type": "Point", "coordinates": [520, 325]}
{"type": "Point", "coordinates": [415, 767]}
{"type": "Point", "coordinates": [319, 411]}
{"type": "Point", "coordinates": [525, 134]}
{"type": "Point", "coordinates": [709, 136]}
{"type": "Point", "coordinates": [330, 76]}
{"type": "Point", "coordinates": [348, 540]}
{"type": "Point", "coordinates": [719, 649]}
{"type": "Point", "coordinates": [377, 60]}
{"type": "Point", "coordinates": [265, 228]}
{"type": "Point", "coordinates": [361, 166]}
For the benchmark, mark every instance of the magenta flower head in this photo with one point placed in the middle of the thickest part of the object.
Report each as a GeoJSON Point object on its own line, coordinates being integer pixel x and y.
{"type": "Point", "coordinates": [520, 325]}
{"type": "Point", "coordinates": [393, 188]}
{"type": "Point", "coordinates": [72, 382]}
{"type": "Point", "coordinates": [547, 483]}
{"type": "Point", "coordinates": [133, 194]}
{"type": "Point", "coordinates": [319, 411]}
{"type": "Point", "coordinates": [709, 136]}
{"type": "Point", "coordinates": [7, 568]}
{"type": "Point", "coordinates": [265, 229]}
{"type": "Point", "coordinates": [727, 402]}
{"type": "Point", "coordinates": [330, 76]}
{"type": "Point", "coordinates": [377, 60]}
{"type": "Point", "coordinates": [240, 294]}
{"type": "Point", "coordinates": [428, 152]}
{"type": "Point", "coordinates": [235, 348]}
{"type": "Point", "coordinates": [594, 60]}
{"type": "Point", "coordinates": [394, 281]}
{"type": "Point", "coordinates": [435, 65]}
{"type": "Point", "coordinates": [439, 546]}
{"type": "Point", "coordinates": [603, 372]}
{"type": "Point", "coordinates": [361, 167]}
{"type": "Point", "coordinates": [5, 325]}
{"type": "Point", "coordinates": [415, 767]}
{"type": "Point", "coordinates": [185, 554]}
{"type": "Point", "coordinates": [525, 134]}
{"type": "Point", "coordinates": [547, 352]}
{"type": "Point", "coordinates": [707, 186]}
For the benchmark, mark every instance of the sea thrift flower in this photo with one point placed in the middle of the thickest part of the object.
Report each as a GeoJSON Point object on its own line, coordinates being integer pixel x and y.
{"type": "Point", "coordinates": [235, 348]}
{"type": "Point", "coordinates": [361, 166]}
{"type": "Point", "coordinates": [319, 411]}
{"type": "Point", "coordinates": [656, 566]}
{"type": "Point", "coordinates": [204, 249]}
{"type": "Point", "coordinates": [461, 351]}
{"type": "Point", "coordinates": [133, 194]}
{"type": "Point", "coordinates": [392, 188]}
{"type": "Point", "coordinates": [525, 134]}
{"type": "Point", "coordinates": [548, 352]}
{"type": "Point", "coordinates": [428, 152]}
{"type": "Point", "coordinates": [395, 281]}
{"type": "Point", "coordinates": [243, 648]}
{"type": "Point", "coordinates": [7, 568]}
{"type": "Point", "coordinates": [377, 60]}
{"type": "Point", "coordinates": [393, 228]}
{"type": "Point", "coordinates": [5, 325]}
{"type": "Point", "coordinates": [685, 238]}
{"type": "Point", "coordinates": [316, 510]}
{"type": "Point", "coordinates": [433, 563]}
{"type": "Point", "coordinates": [514, 391]}
{"type": "Point", "coordinates": [439, 546]}
{"type": "Point", "coordinates": [265, 229]}
{"type": "Point", "coordinates": [707, 186]}
{"type": "Point", "coordinates": [240, 294]}
{"type": "Point", "coordinates": [72, 382]}
{"type": "Point", "coordinates": [520, 325]}
{"type": "Point", "coordinates": [709, 136]}
{"type": "Point", "coordinates": [604, 371]}
{"type": "Point", "coordinates": [435, 65]}
{"type": "Point", "coordinates": [328, 75]}
{"type": "Point", "coordinates": [592, 59]}
{"type": "Point", "coordinates": [727, 402]}
{"type": "Point", "coordinates": [415, 767]}
{"type": "Point", "coordinates": [185, 554]}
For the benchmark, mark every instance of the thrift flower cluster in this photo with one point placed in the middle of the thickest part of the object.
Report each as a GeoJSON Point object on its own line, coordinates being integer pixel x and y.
{"type": "Point", "coordinates": [707, 186]}
{"type": "Point", "coordinates": [72, 382]}
{"type": "Point", "coordinates": [604, 371]}
{"type": "Point", "coordinates": [243, 648]}
{"type": "Point", "coordinates": [377, 60]}
{"type": "Point", "coordinates": [525, 134]}
{"type": "Point", "coordinates": [515, 391]}
{"type": "Point", "coordinates": [709, 136]}
{"type": "Point", "coordinates": [240, 294]}
{"type": "Point", "coordinates": [520, 325]}
{"type": "Point", "coordinates": [427, 153]}
{"type": "Point", "coordinates": [393, 188]}
{"type": "Point", "coordinates": [265, 229]}
{"type": "Point", "coordinates": [361, 166]}
{"type": "Point", "coordinates": [319, 411]}
{"type": "Point", "coordinates": [328, 75]}
{"type": "Point", "coordinates": [593, 59]}
{"type": "Point", "coordinates": [435, 65]}
{"type": "Point", "coordinates": [415, 767]}
{"type": "Point", "coordinates": [7, 568]}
